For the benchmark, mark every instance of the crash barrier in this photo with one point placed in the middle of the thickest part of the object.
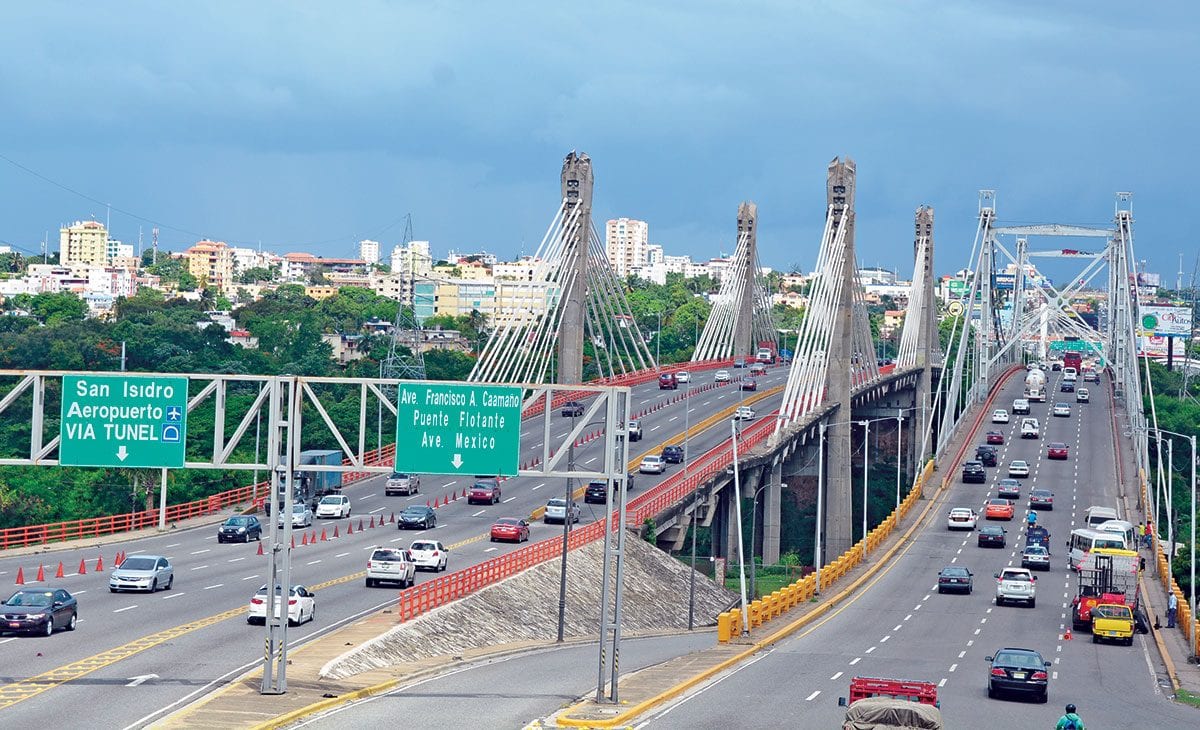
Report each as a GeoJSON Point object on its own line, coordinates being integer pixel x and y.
{"type": "Point", "coordinates": [1187, 623]}
{"type": "Point", "coordinates": [803, 590]}
{"type": "Point", "coordinates": [212, 504]}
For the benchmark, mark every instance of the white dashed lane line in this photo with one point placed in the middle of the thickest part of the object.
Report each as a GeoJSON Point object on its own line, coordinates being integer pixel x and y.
{"type": "Point", "coordinates": [127, 608]}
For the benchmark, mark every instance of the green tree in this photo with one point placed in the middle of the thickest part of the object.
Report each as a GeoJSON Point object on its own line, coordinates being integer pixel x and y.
{"type": "Point", "coordinates": [54, 308]}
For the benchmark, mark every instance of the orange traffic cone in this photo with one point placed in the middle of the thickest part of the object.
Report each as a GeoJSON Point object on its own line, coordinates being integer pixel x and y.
{"type": "Point", "coordinates": [335, 531]}
{"type": "Point", "coordinates": [82, 566]}
{"type": "Point", "coordinates": [260, 550]}
{"type": "Point", "coordinates": [360, 524]}
{"type": "Point", "coordinates": [99, 563]}
{"type": "Point", "coordinates": [293, 542]}
{"type": "Point", "coordinates": [445, 500]}
{"type": "Point", "coordinates": [60, 573]}
{"type": "Point", "coordinates": [1067, 635]}
{"type": "Point", "coordinates": [20, 576]}
{"type": "Point", "coordinates": [41, 577]}
{"type": "Point", "coordinates": [312, 539]}
{"type": "Point", "coordinates": [304, 539]}
{"type": "Point", "coordinates": [427, 503]}
{"type": "Point", "coordinates": [324, 537]}
{"type": "Point", "coordinates": [349, 527]}
{"type": "Point", "coordinates": [372, 522]}
{"type": "Point", "coordinates": [393, 519]}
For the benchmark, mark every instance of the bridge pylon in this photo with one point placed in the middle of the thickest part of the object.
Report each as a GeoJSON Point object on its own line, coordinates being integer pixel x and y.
{"type": "Point", "coordinates": [919, 338]}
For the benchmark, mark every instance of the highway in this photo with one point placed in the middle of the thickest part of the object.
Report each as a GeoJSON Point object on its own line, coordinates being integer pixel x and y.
{"type": "Point", "coordinates": [900, 627]}
{"type": "Point", "coordinates": [137, 656]}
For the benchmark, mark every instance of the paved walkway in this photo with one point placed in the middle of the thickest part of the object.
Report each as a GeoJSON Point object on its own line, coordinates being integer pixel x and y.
{"type": "Point", "coordinates": [215, 518]}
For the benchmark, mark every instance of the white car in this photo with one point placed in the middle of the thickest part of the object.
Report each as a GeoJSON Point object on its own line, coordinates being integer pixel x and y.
{"type": "Point", "coordinates": [302, 516]}
{"type": "Point", "coordinates": [429, 554]}
{"type": "Point", "coordinates": [1018, 468]}
{"type": "Point", "coordinates": [301, 605]}
{"type": "Point", "coordinates": [744, 413]}
{"type": "Point", "coordinates": [1000, 416]}
{"type": "Point", "coordinates": [1021, 405]}
{"type": "Point", "coordinates": [722, 376]}
{"type": "Point", "coordinates": [961, 518]}
{"type": "Point", "coordinates": [1082, 396]}
{"type": "Point", "coordinates": [1062, 409]}
{"type": "Point", "coordinates": [683, 376]}
{"type": "Point", "coordinates": [1030, 428]}
{"type": "Point", "coordinates": [334, 505]}
{"type": "Point", "coordinates": [390, 565]}
{"type": "Point", "coordinates": [557, 511]}
{"type": "Point", "coordinates": [652, 464]}
{"type": "Point", "coordinates": [1016, 584]}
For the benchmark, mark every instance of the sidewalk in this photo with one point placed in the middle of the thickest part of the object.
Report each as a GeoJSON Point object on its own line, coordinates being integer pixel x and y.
{"type": "Point", "coordinates": [191, 523]}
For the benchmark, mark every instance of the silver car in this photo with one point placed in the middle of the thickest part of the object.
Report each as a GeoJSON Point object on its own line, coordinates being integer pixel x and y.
{"type": "Point", "coordinates": [557, 511]}
{"type": "Point", "coordinates": [652, 464]}
{"type": "Point", "coordinates": [1016, 584]}
{"type": "Point", "coordinates": [142, 573]}
{"type": "Point", "coordinates": [302, 516]}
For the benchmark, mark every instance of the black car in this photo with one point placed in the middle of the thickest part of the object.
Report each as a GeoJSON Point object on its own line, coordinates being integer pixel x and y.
{"type": "Point", "coordinates": [572, 408]}
{"type": "Point", "coordinates": [415, 516]}
{"type": "Point", "coordinates": [740, 362]}
{"type": "Point", "coordinates": [240, 528]}
{"type": "Point", "coordinates": [955, 578]}
{"type": "Point", "coordinates": [672, 454]}
{"type": "Point", "coordinates": [1068, 386]}
{"type": "Point", "coordinates": [1018, 671]}
{"type": "Point", "coordinates": [972, 472]}
{"type": "Point", "coordinates": [985, 455]}
{"type": "Point", "coordinates": [991, 536]}
{"type": "Point", "coordinates": [597, 493]}
{"type": "Point", "coordinates": [1056, 366]}
{"type": "Point", "coordinates": [39, 611]}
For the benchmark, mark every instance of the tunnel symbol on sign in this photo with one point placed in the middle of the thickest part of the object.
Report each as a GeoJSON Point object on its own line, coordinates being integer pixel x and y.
{"type": "Point", "coordinates": [170, 433]}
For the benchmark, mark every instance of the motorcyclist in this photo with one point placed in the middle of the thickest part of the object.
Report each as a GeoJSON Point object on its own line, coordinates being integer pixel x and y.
{"type": "Point", "coordinates": [1032, 518]}
{"type": "Point", "coordinates": [1069, 721]}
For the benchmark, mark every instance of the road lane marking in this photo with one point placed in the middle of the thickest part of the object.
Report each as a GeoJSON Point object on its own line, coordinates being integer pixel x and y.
{"type": "Point", "coordinates": [897, 627]}
{"type": "Point", "coordinates": [812, 696]}
{"type": "Point", "coordinates": [314, 562]}
{"type": "Point", "coordinates": [491, 549]}
{"type": "Point", "coordinates": [479, 513]}
{"type": "Point", "coordinates": [834, 677]}
{"type": "Point", "coordinates": [953, 667]}
{"type": "Point", "coordinates": [508, 500]}
{"type": "Point", "coordinates": [174, 544]}
{"type": "Point", "coordinates": [198, 552]}
{"type": "Point", "coordinates": [209, 588]}
{"type": "Point", "coordinates": [173, 595]}
{"type": "Point", "coordinates": [538, 487]}
{"type": "Point", "coordinates": [341, 555]}
{"type": "Point", "coordinates": [962, 654]}
{"type": "Point", "coordinates": [250, 577]}
{"type": "Point", "coordinates": [198, 567]}
{"type": "Point", "coordinates": [870, 650]}
{"type": "Point", "coordinates": [942, 683]}
{"type": "Point", "coordinates": [885, 638]}
{"type": "Point", "coordinates": [127, 608]}
{"type": "Point", "coordinates": [234, 560]}
{"type": "Point", "coordinates": [855, 660]}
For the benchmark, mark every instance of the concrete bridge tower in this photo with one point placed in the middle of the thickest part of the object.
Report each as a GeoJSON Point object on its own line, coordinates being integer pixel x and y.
{"type": "Point", "coordinates": [839, 532]}
{"type": "Point", "coordinates": [928, 350]}
{"type": "Point", "coordinates": [577, 194]}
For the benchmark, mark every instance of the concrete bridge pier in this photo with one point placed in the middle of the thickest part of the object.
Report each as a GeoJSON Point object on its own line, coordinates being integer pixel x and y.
{"type": "Point", "coordinates": [771, 504]}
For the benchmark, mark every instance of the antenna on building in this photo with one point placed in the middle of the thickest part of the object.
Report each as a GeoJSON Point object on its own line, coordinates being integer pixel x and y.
{"type": "Point", "coordinates": [1179, 276]}
{"type": "Point", "coordinates": [45, 251]}
{"type": "Point", "coordinates": [154, 236]}
{"type": "Point", "coordinates": [406, 333]}
{"type": "Point", "coordinates": [139, 242]}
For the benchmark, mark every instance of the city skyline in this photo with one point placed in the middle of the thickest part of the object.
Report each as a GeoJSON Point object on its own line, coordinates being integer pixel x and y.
{"type": "Point", "coordinates": [465, 123]}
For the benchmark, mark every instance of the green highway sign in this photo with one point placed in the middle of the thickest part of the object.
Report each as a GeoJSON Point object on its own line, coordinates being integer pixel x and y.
{"type": "Point", "coordinates": [1074, 346]}
{"type": "Point", "coordinates": [134, 421]}
{"type": "Point", "coordinates": [450, 428]}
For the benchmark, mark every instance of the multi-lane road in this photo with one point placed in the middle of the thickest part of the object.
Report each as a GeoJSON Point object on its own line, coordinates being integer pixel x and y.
{"type": "Point", "coordinates": [136, 656]}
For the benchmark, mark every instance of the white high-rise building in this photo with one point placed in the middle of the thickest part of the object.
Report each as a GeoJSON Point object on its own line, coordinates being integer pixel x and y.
{"type": "Point", "coordinates": [368, 251]}
{"type": "Point", "coordinates": [626, 242]}
{"type": "Point", "coordinates": [654, 254]}
{"type": "Point", "coordinates": [413, 258]}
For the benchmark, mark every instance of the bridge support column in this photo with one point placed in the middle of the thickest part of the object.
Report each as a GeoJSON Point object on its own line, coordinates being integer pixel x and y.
{"type": "Point", "coordinates": [577, 191]}
{"type": "Point", "coordinates": [928, 343]}
{"type": "Point", "coordinates": [772, 502]}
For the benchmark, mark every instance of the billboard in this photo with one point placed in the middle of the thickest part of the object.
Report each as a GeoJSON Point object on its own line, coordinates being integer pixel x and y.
{"type": "Point", "coordinates": [1147, 279]}
{"type": "Point", "coordinates": [1165, 321]}
{"type": "Point", "coordinates": [1154, 346]}
{"type": "Point", "coordinates": [1004, 281]}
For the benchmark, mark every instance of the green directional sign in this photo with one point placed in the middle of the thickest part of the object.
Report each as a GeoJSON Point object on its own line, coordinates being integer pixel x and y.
{"type": "Point", "coordinates": [450, 428]}
{"type": "Point", "coordinates": [134, 421]}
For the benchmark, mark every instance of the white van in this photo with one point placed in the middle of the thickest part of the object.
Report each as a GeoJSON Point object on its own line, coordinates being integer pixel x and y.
{"type": "Point", "coordinates": [1095, 516]}
{"type": "Point", "coordinates": [1031, 429]}
{"type": "Point", "coordinates": [1083, 541]}
{"type": "Point", "coordinates": [1122, 528]}
{"type": "Point", "coordinates": [1070, 374]}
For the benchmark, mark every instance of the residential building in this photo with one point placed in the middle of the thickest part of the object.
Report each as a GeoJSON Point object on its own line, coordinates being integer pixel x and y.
{"type": "Point", "coordinates": [520, 270]}
{"type": "Point", "coordinates": [211, 262]}
{"type": "Point", "coordinates": [412, 258]}
{"type": "Point", "coordinates": [792, 299]}
{"type": "Point", "coordinates": [677, 264]}
{"type": "Point", "coordinates": [893, 319]}
{"type": "Point", "coordinates": [654, 254]}
{"type": "Point", "coordinates": [393, 286]}
{"type": "Point", "coordinates": [320, 292]}
{"type": "Point", "coordinates": [85, 242]}
{"type": "Point", "coordinates": [518, 302]}
{"type": "Point", "coordinates": [625, 243]}
{"type": "Point", "coordinates": [114, 250]}
{"type": "Point", "coordinates": [345, 348]}
{"type": "Point", "coordinates": [483, 257]}
{"type": "Point", "coordinates": [368, 251]}
{"type": "Point", "coordinates": [467, 269]}
{"type": "Point", "coordinates": [656, 273]}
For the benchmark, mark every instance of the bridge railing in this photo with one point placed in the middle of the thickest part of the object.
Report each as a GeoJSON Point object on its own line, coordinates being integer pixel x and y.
{"type": "Point", "coordinates": [1184, 619]}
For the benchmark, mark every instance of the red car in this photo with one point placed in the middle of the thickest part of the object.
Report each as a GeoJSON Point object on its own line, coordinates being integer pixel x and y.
{"type": "Point", "coordinates": [1057, 450]}
{"type": "Point", "coordinates": [510, 528]}
{"type": "Point", "coordinates": [484, 492]}
{"type": "Point", "coordinates": [995, 437]}
{"type": "Point", "coordinates": [998, 509]}
{"type": "Point", "coordinates": [749, 384]}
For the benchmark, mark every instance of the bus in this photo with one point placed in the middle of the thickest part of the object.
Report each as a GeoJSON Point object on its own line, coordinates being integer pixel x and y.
{"type": "Point", "coordinates": [1083, 541]}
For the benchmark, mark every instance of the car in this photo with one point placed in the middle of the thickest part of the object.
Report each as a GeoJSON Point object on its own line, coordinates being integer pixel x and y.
{"type": "Point", "coordinates": [596, 493]}
{"type": "Point", "coordinates": [740, 362]}
{"type": "Point", "coordinates": [1062, 410]}
{"type": "Point", "coordinates": [973, 473]}
{"type": "Point", "coordinates": [749, 384]}
{"type": "Point", "coordinates": [1068, 386]}
{"type": "Point", "coordinates": [991, 536]}
{"type": "Point", "coordinates": [1083, 395]}
{"type": "Point", "coordinates": [955, 578]}
{"type": "Point", "coordinates": [1018, 468]}
{"type": "Point", "coordinates": [572, 408]}
{"type": "Point", "coordinates": [333, 505]}
{"type": "Point", "coordinates": [1035, 557]}
{"type": "Point", "coordinates": [510, 528]}
{"type": "Point", "coordinates": [999, 509]}
{"type": "Point", "coordinates": [1000, 416]}
{"type": "Point", "coordinates": [1091, 376]}
{"type": "Point", "coordinates": [1021, 406]}
{"type": "Point", "coordinates": [1018, 671]}
{"type": "Point", "coordinates": [961, 518]}
{"type": "Point", "coordinates": [390, 565]}
{"type": "Point", "coordinates": [429, 554]}
{"type": "Point", "coordinates": [1016, 584]}
{"type": "Point", "coordinates": [683, 376]}
{"type": "Point", "coordinates": [986, 455]}
{"type": "Point", "coordinates": [667, 381]}
{"type": "Point", "coordinates": [1056, 365]}
{"type": "Point", "coordinates": [634, 430]}
{"type": "Point", "coordinates": [1041, 499]}
{"type": "Point", "coordinates": [1113, 622]}
{"type": "Point", "coordinates": [302, 516]}
{"type": "Point", "coordinates": [142, 573]}
{"type": "Point", "coordinates": [301, 606]}
{"type": "Point", "coordinates": [758, 369]}
{"type": "Point", "coordinates": [39, 611]}
{"type": "Point", "coordinates": [652, 464]}
{"type": "Point", "coordinates": [402, 483]}
{"type": "Point", "coordinates": [1009, 488]}
{"type": "Point", "coordinates": [484, 491]}
{"type": "Point", "coordinates": [1057, 450]}
{"type": "Point", "coordinates": [672, 454]}
{"type": "Point", "coordinates": [721, 376]}
{"type": "Point", "coordinates": [995, 438]}
{"type": "Point", "coordinates": [416, 516]}
{"type": "Point", "coordinates": [744, 413]}
{"type": "Point", "coordinates": [1030, 428]}
{"type": "Point", "coordinates": [240, 528]}
{"type": "Point", "coordinates": [557, 510]}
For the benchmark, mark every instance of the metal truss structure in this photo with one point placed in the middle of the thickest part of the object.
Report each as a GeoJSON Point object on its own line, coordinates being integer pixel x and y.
{"type": "Point", "coordinates": [741, 314]}
{"type": "Point", "coordinates": [405, 360]}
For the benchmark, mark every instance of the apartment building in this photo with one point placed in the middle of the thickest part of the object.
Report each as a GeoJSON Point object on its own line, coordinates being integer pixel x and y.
{"type": "Point", "coordinates": [368, 251]}
{"type": "Point", "coordinates": [211, 262]}
{"type": "Point", "coordinates": [84, 242]}
{"type": "Point", "coordinates": [626, 242]}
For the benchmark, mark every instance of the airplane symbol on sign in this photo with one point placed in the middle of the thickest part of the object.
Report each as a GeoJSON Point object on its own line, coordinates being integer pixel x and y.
{"type": "Point", "coordinates": [174, 413]}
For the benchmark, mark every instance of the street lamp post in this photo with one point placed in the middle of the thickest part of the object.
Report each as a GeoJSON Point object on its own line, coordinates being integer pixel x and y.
{"type": "Point", "coordinates": [695, 505]}
{"type": "Point", "coordinates": [737, 503]}
{"type": "Point", "coordinates": [866, 482]}
{"type": "Point", "coordinates": [658, 342]}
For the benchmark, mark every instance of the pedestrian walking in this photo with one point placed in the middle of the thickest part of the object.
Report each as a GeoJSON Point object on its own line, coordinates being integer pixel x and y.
{"type": "Point", "coordinates": [1172, 607]}
{"type": "Point", "coordinates": [1141, 533]}
{"type": "Point", "coordinates": [1148, 541]}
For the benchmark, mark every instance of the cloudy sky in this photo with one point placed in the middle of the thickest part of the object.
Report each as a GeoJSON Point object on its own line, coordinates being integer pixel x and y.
{"type": "Point", "coordinates": [310, 125]}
